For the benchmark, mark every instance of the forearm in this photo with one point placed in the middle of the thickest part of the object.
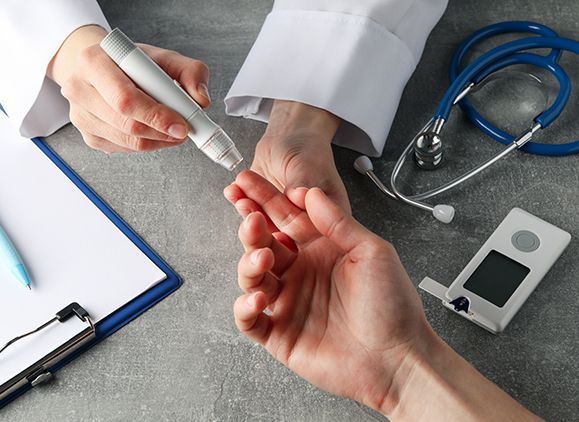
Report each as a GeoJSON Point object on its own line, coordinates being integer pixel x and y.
{"type": "Point", "coordinates": [437, 384]}
{"type": "Point", "coordinates": [294, 57]}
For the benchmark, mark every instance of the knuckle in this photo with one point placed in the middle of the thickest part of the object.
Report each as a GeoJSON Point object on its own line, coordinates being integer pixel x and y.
{"type": "Point", "coordinates": [124, 101]}
{"type": "Point", "coordinates": [139, 144]}
{"type": "Point", "coordinates": [378, 248]}
{"type": "Point", "coordinates": [89, 54]}
{"type": "Point", "coordinates": [131, 142]}
{"type": "Point", "coordinates": [137, 128]}
{"type": "Point", "coordinates": [70, 89]}
{"type": "Point", "coordinates": [133, 127]}
{"type": "Point", "coordinates": [201, 67]}
{"type": "Point", "coordinates": [336, 226]}
{"type": "Point", "coordinates": [76, 117]}
{"type": "Point", "coordinates": [158, 118]}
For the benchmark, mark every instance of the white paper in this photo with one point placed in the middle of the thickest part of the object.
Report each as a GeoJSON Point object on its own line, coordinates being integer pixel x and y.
{"type": "Point", "coordinates": [72, 251]}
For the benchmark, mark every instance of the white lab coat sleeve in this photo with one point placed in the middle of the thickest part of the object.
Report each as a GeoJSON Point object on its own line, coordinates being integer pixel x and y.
{"type": "Point", "coordinates": [350, 57]}
{"type": "Point", "coordinates": [31, 32]}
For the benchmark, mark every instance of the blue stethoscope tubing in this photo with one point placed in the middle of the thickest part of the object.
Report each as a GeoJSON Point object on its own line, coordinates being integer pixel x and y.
{"type": "Point", "coordinates": [426, 145]}
{"type": "Point", "coordinates": [505, 55]}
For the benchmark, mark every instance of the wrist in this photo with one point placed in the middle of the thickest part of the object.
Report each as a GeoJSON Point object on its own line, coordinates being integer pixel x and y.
{"type": "Point", "coordinates": [420, 382]}
{"type": "Point", "coordinates": [436, 383]}
{"type": "Point", "coordinates": [294, 118]}
{"type": "Point", "coordinates": [62, 64]}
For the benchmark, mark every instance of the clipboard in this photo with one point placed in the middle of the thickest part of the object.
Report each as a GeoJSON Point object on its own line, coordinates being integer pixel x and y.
{"type": "Point", "coordinates": [108, 325]}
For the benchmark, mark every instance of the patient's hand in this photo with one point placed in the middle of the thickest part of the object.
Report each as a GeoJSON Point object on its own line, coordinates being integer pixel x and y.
{"type": "Point", "coordinates": [296, 150]}
{"type": "Point", "coordinates": [344, 314]}
{"type": "Point", "coordinates": [110, 111]}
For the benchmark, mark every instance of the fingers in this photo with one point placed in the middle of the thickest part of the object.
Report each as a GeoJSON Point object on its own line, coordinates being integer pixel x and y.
{"type": "Point", "coordinates": [255, 235]}
{"type": "Point", "coordinates": [286, 241]}
{"type": "Point", "coordinates": [101, 136]}
{"type": "Point", "coordinates": [289, 218]}
{"type": "Point", "coordinates": [333, 222]}
{"type": "Point", "coordinates": [297, 196]}
{"type": "Point", "coordinates": [83, 96]}
{"type": "Point", "coordinates": [123, 96]}
{"type": "Point", "coordinates": [101, 144]}
{"type": "Point", "coordinates": [253, 274]}
{"type": "Point", "coordinates": [245, 206]}
{"type": "Point", "coordinates": [192, 74]}
{"type": "Point", "coordinates": [96, 86]}
{"type": "Point", "coordinates": [250, 319]}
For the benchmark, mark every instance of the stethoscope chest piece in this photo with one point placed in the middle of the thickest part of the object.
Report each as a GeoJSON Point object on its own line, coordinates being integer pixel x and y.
{"type": "Point", "coordinates": [428, 150]}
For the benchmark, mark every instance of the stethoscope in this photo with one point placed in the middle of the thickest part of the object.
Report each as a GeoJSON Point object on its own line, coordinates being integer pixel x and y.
{"type": "Point", "coordinates": [426, 146]}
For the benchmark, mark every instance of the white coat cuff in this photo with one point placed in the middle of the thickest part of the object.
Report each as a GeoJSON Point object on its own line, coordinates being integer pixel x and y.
{"type": "Point", "coordinates": [346, 64]}
{"type": "Point", "coordinates": [32, 101]}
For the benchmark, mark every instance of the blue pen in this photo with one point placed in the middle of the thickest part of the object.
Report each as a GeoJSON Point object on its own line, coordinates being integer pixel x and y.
{"type": "Point", "coordinates": [11, 260]}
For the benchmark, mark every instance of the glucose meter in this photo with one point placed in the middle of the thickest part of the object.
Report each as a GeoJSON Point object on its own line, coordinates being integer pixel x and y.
{"type": "Point", "coordinates": [504, 272]}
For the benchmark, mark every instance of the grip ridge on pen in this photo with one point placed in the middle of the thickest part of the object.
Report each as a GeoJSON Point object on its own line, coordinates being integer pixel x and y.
{"type": "Point", "coordinates": [117, 45]}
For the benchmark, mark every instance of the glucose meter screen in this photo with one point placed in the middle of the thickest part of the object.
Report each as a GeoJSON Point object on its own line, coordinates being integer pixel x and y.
{"type": "Point", "coordinates": [496, 278]}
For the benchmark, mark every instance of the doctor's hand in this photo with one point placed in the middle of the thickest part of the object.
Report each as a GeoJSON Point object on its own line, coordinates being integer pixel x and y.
{"type": "Point", "coordinates": [110, 111]}
{"type": "Point", "coordinates": [332, 302]}
{"type": "Point", "coordinates": [296, 150]}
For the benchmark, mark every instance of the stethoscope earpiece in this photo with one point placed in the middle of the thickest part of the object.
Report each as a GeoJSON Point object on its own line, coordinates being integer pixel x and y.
{"type": "Point", "coordinates": [363, 165]}
{"type": "Point", "coordinates": [443, 213]}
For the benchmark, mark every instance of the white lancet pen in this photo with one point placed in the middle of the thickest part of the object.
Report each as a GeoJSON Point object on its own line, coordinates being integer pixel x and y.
{"type": "Point", "coordinates": [153, 80]}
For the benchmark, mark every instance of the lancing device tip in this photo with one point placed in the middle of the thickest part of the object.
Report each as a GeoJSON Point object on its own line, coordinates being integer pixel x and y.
{"type": "Point", "coordinates": [207, 135]}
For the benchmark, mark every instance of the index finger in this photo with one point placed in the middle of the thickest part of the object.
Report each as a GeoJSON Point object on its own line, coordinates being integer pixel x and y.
{"type": "Point", "coordinates": [290, 219]}
{"type": "Point", "coordinates": [120, 93]}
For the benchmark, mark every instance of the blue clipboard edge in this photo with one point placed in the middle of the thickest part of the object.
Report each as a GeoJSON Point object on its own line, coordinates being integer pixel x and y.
{"type": "Point", "coordinates": [134, 308]}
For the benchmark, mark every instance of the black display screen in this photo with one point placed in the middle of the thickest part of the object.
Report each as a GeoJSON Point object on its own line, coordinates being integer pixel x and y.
{"type": "Point", "coordinates": [496, 278]}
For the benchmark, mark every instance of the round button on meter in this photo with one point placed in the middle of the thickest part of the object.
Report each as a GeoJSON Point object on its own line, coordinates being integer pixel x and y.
{"type": "Point", "coordinates": [525, 241]}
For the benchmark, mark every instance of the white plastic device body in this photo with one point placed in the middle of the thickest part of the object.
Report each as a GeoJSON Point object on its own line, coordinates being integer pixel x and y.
{"type": "Point", "coordinates": [498, 280]}
{"type": "Point", "coordinates": [146, 74]}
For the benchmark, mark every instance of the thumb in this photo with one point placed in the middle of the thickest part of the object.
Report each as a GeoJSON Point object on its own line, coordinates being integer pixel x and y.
{"type": "Point", "coordinates": [333, 222]}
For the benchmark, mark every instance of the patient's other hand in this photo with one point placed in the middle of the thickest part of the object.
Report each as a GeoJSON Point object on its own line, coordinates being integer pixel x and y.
{"type": "Point", "coordinates": [296, 150]}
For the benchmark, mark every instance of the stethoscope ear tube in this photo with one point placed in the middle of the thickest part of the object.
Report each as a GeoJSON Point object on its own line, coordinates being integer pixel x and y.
{"type": "Point", "coordinates": [443, 213]}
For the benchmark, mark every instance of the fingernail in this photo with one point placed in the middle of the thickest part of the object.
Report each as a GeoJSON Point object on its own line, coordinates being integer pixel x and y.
{"type": "Point", "coordinates": [226, 195]}
{"type": "Point", "coordinates": [177, 130]}
{"type": "Point", "coordinates": [251, 300]}
{"type": "Point", "coordinates": [254, 257]}
{"type": "Point", "coordinates": [321, 191]}
{"type": "Point", "coordinates": [202, 89]}
{"type": "Point", "coordinates": [249, 216]}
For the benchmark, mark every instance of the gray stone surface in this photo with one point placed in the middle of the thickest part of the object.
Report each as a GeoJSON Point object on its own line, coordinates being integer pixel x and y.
{"type": "Point", "coordinates": [184, 360]}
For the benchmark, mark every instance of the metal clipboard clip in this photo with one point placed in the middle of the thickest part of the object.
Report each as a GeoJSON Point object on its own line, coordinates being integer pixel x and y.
{"type": "Point", "coordinates": [39, 372]}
